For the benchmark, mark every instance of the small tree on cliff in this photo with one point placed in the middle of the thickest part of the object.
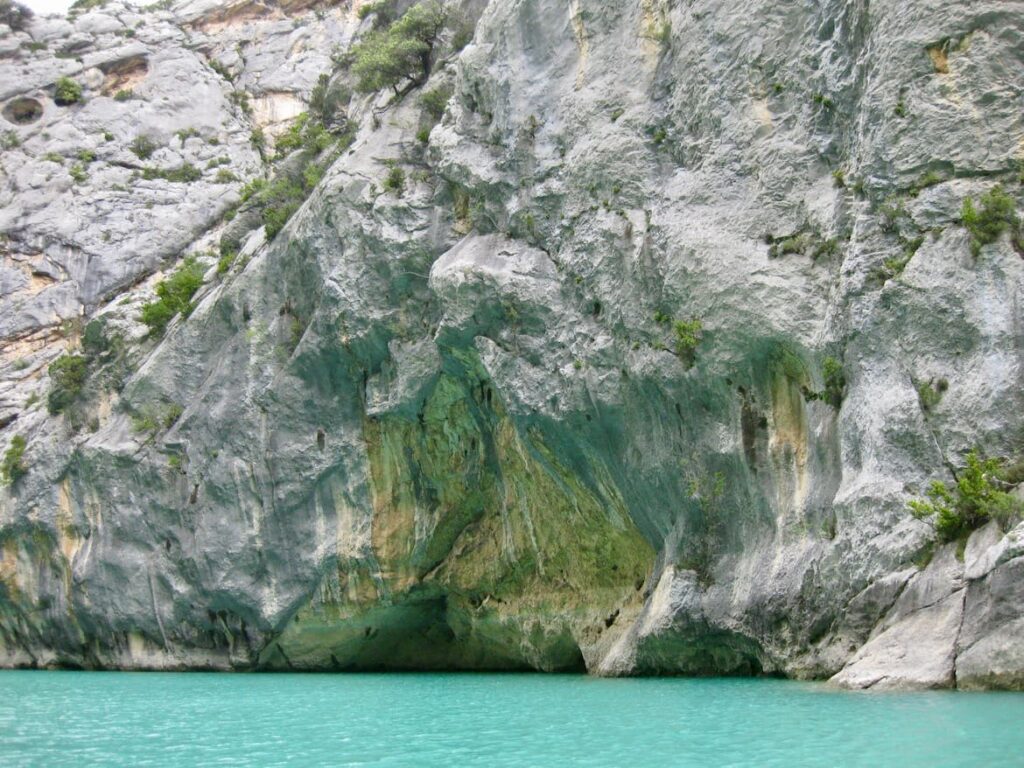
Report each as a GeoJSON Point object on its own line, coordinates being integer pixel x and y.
{"type": "Point", "coordinates": [14, 15]}
{"type": "Point", "coordinates": [402, 52]}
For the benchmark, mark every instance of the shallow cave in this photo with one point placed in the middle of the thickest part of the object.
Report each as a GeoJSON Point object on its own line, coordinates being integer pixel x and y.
{"type": "Point", "coordinates": [22, 111]}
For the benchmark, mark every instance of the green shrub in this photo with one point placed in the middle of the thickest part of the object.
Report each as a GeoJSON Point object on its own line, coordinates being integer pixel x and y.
{"type": "Point", "coordinates": [225, 261]}
{"type": "Point", "coordinates": [276, 216]}
{"type": "Point", "coordinates": [185, 134]}
{"type": "Point", "coordinates": [125, 94]}
{"type": "Point", "coordinates": [67, 92]}
{"type": "Point", "coordinates": [925, 180]}
{"type": "Point", "coordinates": [688, 335]}
{"type": "Point", "coordinates": [221, 70]}
{"type": "Point", "coordinates": [835, 381]}
{"type": "Point", "coordinates": [306, 134]}
{"type": "Point", "coordinates": [326, 99]}
{"type": "Point", "coordinates": [143, 147]}
{"type": "Point", "coordinates": [384, 11]}
{"type": "Point", "coordinates": [972, 502]}
{"type": "Point", "coordinates": [174, 296]}
{"type": "Point", "coordinates": [998, 214]}
{"type": "Point", "coordinates": [67, 377]}
{"type": "Point", "coordinates": [241, 100]}
{"type": "Point", "coordinates": [172, 414]}
{"type": "Point", "coordinates": [387, 57]}
{"type": "Point", "coordinates": [435, 101]}
{"type": "Point", "coordinates": [183, 174]}
{"type": "Point", "coordinates": [839, 178]}
{"type": "Point", "coordinates": [279, 200]}
{"type": "Point", "coordinates": [894, 265]}
{"type": "Point", "coordinates": [930, 394]}
{"type": "Point", "coordinates": [15, 15]}
{"type": "Point", "coordinates": [86, 156]}
{"type": "Point", "coordinates": [9, 140]}
{"type": "Point", "coordinates": [12, 467]}
{"type": "Point", "coordinates": [78, 173]}
{"type": "Point", "coordinates": [394, 182]}
{"type": "Point", "coordinates": [823, 101]}
{"type": "Point", "coordinates": [891, 212]}
{"type": "Point", "coordinates": [258, 140]}
{"type": "Point", "coordinates": [224, 176]}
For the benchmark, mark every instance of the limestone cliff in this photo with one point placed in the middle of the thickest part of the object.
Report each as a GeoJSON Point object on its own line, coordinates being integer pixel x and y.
{"type": "Point", "coordinates": [621, 342]}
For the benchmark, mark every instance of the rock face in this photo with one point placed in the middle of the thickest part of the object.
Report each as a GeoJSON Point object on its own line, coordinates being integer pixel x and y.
{"type": "Point", "coordinates": [466, 420]}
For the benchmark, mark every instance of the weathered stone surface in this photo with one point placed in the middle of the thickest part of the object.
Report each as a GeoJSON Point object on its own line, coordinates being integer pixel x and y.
{"type": "Point", "coordinates": [451, 424]}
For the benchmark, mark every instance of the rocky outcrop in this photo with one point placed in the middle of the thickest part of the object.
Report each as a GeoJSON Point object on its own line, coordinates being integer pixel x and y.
{"type": "Point", "coordinates": [463, 417]}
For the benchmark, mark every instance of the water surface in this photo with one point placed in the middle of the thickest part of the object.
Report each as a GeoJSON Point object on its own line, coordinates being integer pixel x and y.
{"type": "Point", "coordinates": [138, 719]}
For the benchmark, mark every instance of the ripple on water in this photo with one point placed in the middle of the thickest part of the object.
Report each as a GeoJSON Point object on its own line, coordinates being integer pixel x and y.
{"type": "Point", "coordinates": [131, 719]}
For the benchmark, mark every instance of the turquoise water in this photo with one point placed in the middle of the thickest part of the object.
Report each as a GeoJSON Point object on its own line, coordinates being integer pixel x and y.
{"type": "Point", "coordinates": [137, 719]}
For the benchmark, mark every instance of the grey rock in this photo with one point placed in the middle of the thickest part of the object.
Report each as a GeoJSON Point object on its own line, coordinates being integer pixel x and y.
{"type": "Point", "coordinates": [455, 422]}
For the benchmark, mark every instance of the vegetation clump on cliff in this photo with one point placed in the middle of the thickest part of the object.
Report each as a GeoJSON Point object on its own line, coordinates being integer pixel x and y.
{"type": "Point", "coordinates": [67, 376]}
{"type": "Point", "coordinates": [978, 497]}
{"type": "Point", "coordinates": [393, 53]}
{"type": "Point", "coordinates": [14, 15]}
{"type": "Point", "coordinates": [67, 92]}
{"type": "Point", "coordinates": [174, 296]}
{"type": "Point", "coordinates": [998, 213]}
{"type": "Point", "coordinates": [12, 467]}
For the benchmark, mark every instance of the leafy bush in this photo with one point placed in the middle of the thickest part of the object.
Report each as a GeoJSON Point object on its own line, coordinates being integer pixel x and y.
{"type": "Point", "coordinates": [929, 393]}
{"type": "Point", "coordinates": [394, 182]}
{"type": "Point", "coordinates": [78, 173]}
{"type": "Point", "coordinates": [9, 140]}
{"type": "Point", "coordinates": [998, 214]}
{"type": "Point", "coordinates": [67, 377]}
{"type": "Point", "coordinates": [389, 56]}
{"type": "Point", "coordinates": [974, 500]}
{"type": "Point", "coordinates": [258, 140]}
{"type": "Point", "coordinates": [925, 180]}
{"type": "Point", "coordinates": [125, 94]}
{"type": "Point", "coordinates": [241, 100]}
{"type": "Point", "coordinates": [435, 101]}
{"type": "Point", "coordinates": [183, 174]}
{"type": "Point", "coordinates": [384, 11]}
{"type": "Point", "coordinates": [12, 467]}
{"type": "Point", "coordinates": [326, 99]}
{"type": "Point", "coordinates": [14, 15]}
{"type": "Point", "coordinates": [67, 92]}
{"type": "Point", "coordinates": [835, 381]}
{"type": "Point", "coordinates": [306, 134]}
{"type": "Point", "coordinates": [225, 261]}
{"type": "Point", "coordinates": [688, 335]}
{"type": "Point", "coordinates": [174, 296]}
{"type": "Point", "coordinates": [143, 147]}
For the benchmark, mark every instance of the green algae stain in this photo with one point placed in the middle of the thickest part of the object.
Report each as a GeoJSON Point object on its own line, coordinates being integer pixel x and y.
{"type": "Point", "coordinates": [487, 552]}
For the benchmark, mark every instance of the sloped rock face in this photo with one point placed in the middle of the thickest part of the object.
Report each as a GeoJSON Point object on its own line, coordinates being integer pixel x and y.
{"type": "Point", "coordinates": [454, 425]}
